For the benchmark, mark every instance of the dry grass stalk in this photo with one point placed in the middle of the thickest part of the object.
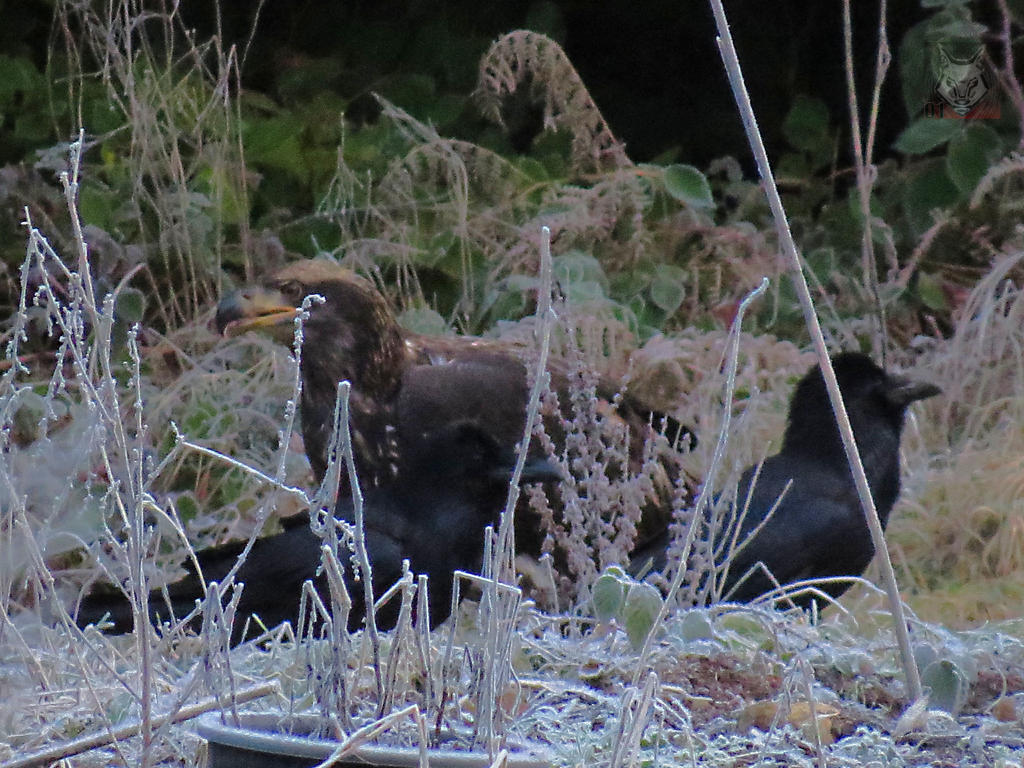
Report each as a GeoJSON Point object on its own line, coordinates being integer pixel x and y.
{"type": "Point", "coordinates": [732, 67]}
{"type": "Point", "coordinates": [532, 61]}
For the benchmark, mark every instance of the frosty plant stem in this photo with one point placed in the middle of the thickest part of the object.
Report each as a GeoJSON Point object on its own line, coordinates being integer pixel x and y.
{"type": "Point", "coordinates": [739, 90]}
{"type": "Point", "coordinates": [498, 643]}
{"type": "Point", "coordinates": [732, 356]}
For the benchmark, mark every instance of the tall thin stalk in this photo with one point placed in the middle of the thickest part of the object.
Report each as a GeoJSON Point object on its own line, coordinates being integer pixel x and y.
{"type": "Point", "coordinates": [739, 90]}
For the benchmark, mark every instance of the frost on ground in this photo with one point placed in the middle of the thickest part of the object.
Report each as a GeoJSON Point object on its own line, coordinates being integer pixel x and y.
{"type": "Point", "coordinates": [735, 687]}
{"type": "Point", "coordinates": [90, 461]}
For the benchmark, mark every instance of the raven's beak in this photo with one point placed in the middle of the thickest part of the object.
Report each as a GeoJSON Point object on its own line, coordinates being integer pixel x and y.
{"type": "Point", "coordinates": [903, 391]}
{"type": "Point", "coordinates": [254, 309]}
{"type": "Point", "coordinates": [536, 470]}
{"type": "Point", "coordinates": [541, 471]}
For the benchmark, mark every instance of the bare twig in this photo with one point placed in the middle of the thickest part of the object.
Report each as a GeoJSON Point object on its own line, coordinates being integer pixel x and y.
{"type": "Point", "coordinates": [732, 66]}
{"type": "Point", "coordinates": [1007, 75]}
{"type": "Point", "coordinates": [633, 720]}
{"type": "Point", "coordinates": [705, 494]}
{"type": "Point", "coordinates": [367, 734]}
{"type": "Point", "coordinates": [812, 705]}
{"type": "Point", "coordinates": [866, 172]}
{"type": "Point", "coordinates": [362, 556]}
{"type": "Point", "coordinates": [96, 740]}
{"type": "Point", "coordinates": [501, 564]}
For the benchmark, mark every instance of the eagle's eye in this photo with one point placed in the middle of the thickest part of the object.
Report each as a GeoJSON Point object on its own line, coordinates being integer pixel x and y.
{"type": "Point", "coordinates": [292, 289]}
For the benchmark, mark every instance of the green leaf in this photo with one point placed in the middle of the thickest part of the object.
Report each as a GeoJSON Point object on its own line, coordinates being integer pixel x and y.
{"type": "Point", "coordinates": [916, 77]}
{"type": "Point", "coordinates": [925, 134]}
{"type": "Point", "coordinates": [970, 155]}
{"type": "Point", "coordinates": [25, 426]}
{"type": "Point", "coordinates": [130, 305]}
{"type": "Point", "coordinates": [629, 284]}
{"type": "Point", "coordinates": [252, 99]}
{"type": "Point", "coordinates": [806, 126]}
{"type": "Point", "coordinates": [928, 189]}
{"type": "Point", "coordinates": [577, 267]}
{"type": "Point", "coordinates": [187, 506]}
{"type": "Point", "coordinates": [668, 287]}
{"type": "Point", "coordinates": [102, 116]}
{"type": "Point", "coordinates": [955, 30]}
{"type": "Point", "coordinates": [17, 75]}
{"type": "Point", "coordinates": [276, 142]}
{"type": "Point", "coordinates": [302, 82]}
{"type": "Point", "coordinates": [929, 290]}
{"type": "Point", "coordinates": [218, 184]}
{"type": "Point", "coordinates": [504, 301]}
{"type": "Point", "coordinates": [532, 168]}
{"type": "Point", "coordinates": [412, 92]}
{"type": "Point", "coordinates": [746, 627]}
{"type": "Point", "coordinates": [583, 292]}
{"type": "Point", "coordinates": [697, 626]}
{"type": "Point", "coordinates": [96, 205]}
{"type": "Point", "coordinates": [948, 685]}
{"type": "Point", "coordinates": [607, 597]}
{"type": "Point", "coordinates": [793, 165]}
{"type": "Point", "coordinates": [445, 109]}
{"type": "Point", "coordinates": [423, 320]}
{"type": "Point", "coordinates": [688, 185]}
{"type": "Point", "coordinates": [643, 603]}
{"type": "Point", "coordinates": [925, 654]}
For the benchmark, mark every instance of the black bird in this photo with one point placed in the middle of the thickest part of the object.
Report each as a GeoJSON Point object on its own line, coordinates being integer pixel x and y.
{"type": "Point", "coordinates": [818, 529]}
{"type": "Point", "coordinates": [403, 382]}
{"type": "Point", "coordinates": [452, 484]}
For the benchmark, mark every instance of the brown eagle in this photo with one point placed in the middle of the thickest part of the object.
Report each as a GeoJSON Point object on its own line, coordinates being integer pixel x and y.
{"type": "Point", "coordinates": [404, 384]}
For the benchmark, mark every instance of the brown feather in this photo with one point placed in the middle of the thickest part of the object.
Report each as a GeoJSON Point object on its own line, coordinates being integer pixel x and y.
{"type": "Point", "coordinates": [403, 384]}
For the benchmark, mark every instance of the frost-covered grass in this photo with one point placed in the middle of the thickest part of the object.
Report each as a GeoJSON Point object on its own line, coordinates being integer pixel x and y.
{"type": "Point", "coordinates": [95, 486]}
{"type": "Point", "coordinates": [90, 461]}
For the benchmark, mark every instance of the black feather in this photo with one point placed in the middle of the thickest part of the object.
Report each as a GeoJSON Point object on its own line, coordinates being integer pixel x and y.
{"type": "Point", "coordinates": [818, 529]}
{"type": "Point", "coordinates": [451, 485]}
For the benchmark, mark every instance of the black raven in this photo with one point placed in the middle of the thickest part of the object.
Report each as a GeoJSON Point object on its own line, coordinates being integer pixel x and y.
{"type": "Point", "coordinates": [452, 484]}
{"type": "Point", "coordinates": [404, 382]}
{"type": "Point", "coordinates": [818, 529]}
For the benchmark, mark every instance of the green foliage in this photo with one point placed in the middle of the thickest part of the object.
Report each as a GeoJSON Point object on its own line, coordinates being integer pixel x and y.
{"type": "Point", "coordinates": [929, 291]}
{"type": "Point", "coordinates": [950, 25]}
{"type": "Point", "coordinates": [129, 309]}
{"type": "Point", "coordinates": [696, 625]}
{"type": "Point", "coordinates": [688, 185]}
{"type": "Point", "coordinates": [423, 320]}
{"type": "Point", "coordinates": [609, 594]}
{"type": "Point", "coordinates": [946, 673]}
{"type": "Point", "coordinates": [639, 612]}
{"type": "Point", "coordinates": [807, 129]}
{"type": "Point", "coordinates": [580, 277]}
{"type": "Point", "coordinates": [971, 153]}
{"type": "Point", "coordinates": [635, 605]}
{"type": "Point", "coordinates": [667, 287]}
{"type": "Point", "coordinates": [925, 134]}
{"type": "Point", "coordinates": [643, 249]}
{"type": "Point", "coordinates": [929, 188]}
{"type": "Point", "coordinates": [25, 111]}
{"type": "Point", "coordinates": [327, 169]}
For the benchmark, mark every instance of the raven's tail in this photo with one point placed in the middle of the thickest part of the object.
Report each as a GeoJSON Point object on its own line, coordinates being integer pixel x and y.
{"type": "Point", "coordinates": [112, 605]}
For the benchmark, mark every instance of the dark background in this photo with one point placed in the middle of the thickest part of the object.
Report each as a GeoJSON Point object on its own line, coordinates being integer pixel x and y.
{"type": "Point", "coordinates": [653, 67]}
